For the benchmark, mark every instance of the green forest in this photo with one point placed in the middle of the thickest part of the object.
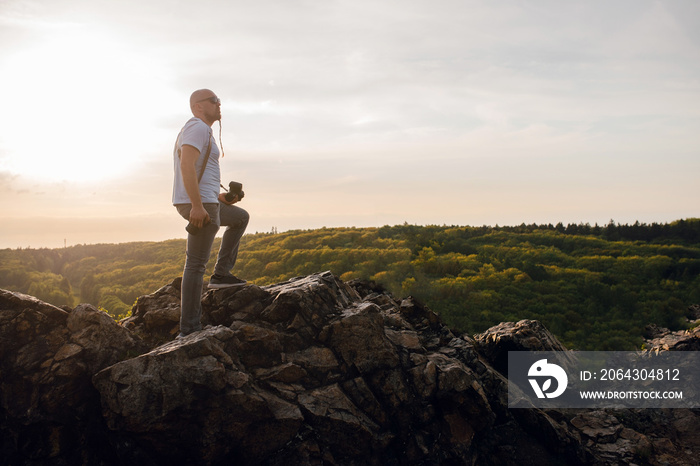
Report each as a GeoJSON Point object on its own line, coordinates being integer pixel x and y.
{"type": "Point", "coordinates": [595, 287]}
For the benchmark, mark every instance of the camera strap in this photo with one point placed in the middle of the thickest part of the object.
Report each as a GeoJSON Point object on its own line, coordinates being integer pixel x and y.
{"type": "Point", "coordinates": [206, 159]}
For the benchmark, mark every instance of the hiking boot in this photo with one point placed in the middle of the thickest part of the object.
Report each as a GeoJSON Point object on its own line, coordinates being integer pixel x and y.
{"type": "Point", "coordinates": [219, 281]}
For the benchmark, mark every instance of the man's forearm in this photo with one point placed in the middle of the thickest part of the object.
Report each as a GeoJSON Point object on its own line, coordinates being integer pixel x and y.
{"type": "Point", "coordinates": [188, 160]}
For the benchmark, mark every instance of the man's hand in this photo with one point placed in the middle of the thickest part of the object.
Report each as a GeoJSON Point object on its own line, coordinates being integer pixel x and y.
{"type": "Point", "coordinates": [199, 216]}
{"type": "Point", "coordinates": [222, 199]}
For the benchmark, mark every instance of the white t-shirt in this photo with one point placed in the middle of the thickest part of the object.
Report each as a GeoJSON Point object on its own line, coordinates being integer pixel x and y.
{"type": "Point", "coordinates": [197, 134]}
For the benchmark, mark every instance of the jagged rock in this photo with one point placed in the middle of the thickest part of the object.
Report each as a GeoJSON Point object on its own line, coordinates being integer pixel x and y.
{"type": "Point", "coordinates": [663, 339]}
{"type": "Point", "coordinates": [309, 371]}
{"type": "Point", "coordinates": [640, 436]}
{"type": "Point", "coordinates": [191, 395]}
{"type": "Point", "coordinates": [314, 358]}
{"type": "Point", "coordinates": [526, 335]}
{"type": "Point", "coordinates": [47, 359]}
{"type": "Point", "coordinates": [156, 317]}
{"type": "Point", "coordinates": [614, 442]}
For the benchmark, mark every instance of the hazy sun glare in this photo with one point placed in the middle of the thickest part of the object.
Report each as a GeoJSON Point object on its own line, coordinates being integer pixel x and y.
{"type": "Point", "coordinates": [78, 105]}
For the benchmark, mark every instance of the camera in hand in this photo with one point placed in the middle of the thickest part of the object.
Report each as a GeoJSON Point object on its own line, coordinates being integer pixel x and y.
{"type": "Point", "coordinates": [193, 230]}
{"type": "Point", "coordinates": [234, 189]}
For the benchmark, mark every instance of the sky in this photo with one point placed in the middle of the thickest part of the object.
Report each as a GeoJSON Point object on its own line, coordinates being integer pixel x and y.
{"type": "Point", "coordinates": [349, 113]}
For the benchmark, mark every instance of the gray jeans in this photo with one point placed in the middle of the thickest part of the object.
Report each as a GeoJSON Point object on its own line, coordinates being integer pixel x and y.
{"type": "Point", "coordinates": [198, 251]}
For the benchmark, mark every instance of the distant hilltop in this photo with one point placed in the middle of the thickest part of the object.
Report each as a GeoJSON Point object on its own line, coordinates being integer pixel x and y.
{"type": "Point", "coordinates": [313, 370]}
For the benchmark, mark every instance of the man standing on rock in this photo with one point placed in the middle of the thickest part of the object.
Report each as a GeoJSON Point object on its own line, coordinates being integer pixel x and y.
{"type": "Point", "coordinates": [197, 198]}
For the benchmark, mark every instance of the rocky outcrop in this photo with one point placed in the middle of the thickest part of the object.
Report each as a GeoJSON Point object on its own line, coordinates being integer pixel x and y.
{"type": "Point", "coordinates": [526, 335]}
{"type": "Point", "coordinates": [663, 339]}
{"type": "Point", "coordinates": [640, 436]}
{"type": "Point", "coordinates": [310, 371]}
{"type": "Point", "coordinates": [49, 409]}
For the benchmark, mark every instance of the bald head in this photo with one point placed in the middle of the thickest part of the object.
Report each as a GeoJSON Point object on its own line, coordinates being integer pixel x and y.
{"type": "Point", "coordinates": [200, 95]}
{"type": "Point", "coordinates": [205, 105]}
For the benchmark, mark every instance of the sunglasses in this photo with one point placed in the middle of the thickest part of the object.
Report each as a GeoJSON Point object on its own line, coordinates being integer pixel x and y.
{"type": "Point", "coordinates": [214, 100]}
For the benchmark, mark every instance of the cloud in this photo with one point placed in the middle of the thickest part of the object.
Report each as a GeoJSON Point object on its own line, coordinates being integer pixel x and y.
{"type": "Point", "coordinates": [7, 182]}
{"type": "Point", "coordinates": [353, 105]}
